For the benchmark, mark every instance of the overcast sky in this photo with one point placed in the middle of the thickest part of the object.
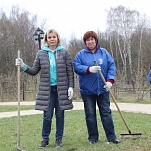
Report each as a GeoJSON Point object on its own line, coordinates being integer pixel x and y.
{"type": "Point", "coordinates": [75, 16]}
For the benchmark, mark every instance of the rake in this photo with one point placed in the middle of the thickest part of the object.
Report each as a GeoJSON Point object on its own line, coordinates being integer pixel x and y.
{"type": "Point", "coordinates": [129, 135]}
{"type": "Point", "coordinates": [18, 126]}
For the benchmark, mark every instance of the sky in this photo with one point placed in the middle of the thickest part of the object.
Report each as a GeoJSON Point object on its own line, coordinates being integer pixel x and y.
{"type": "Point", "coordinates": [75, 17]}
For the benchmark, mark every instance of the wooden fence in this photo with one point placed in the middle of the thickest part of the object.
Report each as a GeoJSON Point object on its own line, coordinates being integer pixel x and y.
{"type": "Point", "coordinates": [29, 86]}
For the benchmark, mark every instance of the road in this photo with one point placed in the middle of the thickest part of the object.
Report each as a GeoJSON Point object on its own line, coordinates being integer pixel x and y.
{"type": "Point", "coordinates": [126, 107]}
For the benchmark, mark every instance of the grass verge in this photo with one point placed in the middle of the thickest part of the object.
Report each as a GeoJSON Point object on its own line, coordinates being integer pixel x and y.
{"type": "Point", "coordinates": [10, 108]}
{"type": "Point", "coordinates": [75, 134]}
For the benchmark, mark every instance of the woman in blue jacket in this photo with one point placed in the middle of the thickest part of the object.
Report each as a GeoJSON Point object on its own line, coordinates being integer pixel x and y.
{"type": "Point", "coordinates": [92, 88]}
{"type": "Point", "coordinates": [149, 76]}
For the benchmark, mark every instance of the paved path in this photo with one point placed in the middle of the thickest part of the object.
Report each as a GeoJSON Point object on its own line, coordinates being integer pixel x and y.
{"type": "Point", "coordinates": [127, 107]}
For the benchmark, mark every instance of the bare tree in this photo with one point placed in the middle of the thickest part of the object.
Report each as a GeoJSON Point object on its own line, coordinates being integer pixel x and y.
{"type": "Point", "coordinates": [75, 45]}
{"type": "Point", "coordinates": [123, 21]}
{"type": "Point", "coordinates": [16, 33]}
{"type": "Point", "coordinates": [127, 31]}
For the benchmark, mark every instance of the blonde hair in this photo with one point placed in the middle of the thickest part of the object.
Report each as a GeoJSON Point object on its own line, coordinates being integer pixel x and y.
{"type": "Point", "coordinates": [54, 32]}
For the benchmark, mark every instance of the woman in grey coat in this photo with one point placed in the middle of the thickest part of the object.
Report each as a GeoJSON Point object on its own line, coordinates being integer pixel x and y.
{"type": "Point", "coordinates": [56, 84]}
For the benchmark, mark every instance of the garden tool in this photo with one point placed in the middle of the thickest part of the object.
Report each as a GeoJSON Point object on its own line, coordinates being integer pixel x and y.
{"type": "Point", "coordinates": [18, 126]}
{"type": "Point", "coordinates": [129, 135]}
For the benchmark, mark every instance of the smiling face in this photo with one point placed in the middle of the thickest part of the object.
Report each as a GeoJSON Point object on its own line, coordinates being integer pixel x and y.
{"type": "Point", "coordinates": [91, 43]}
{"type": "Point", "coordinates": [90, 39]}
{"type": "Point", "coordinates": [52, 40]}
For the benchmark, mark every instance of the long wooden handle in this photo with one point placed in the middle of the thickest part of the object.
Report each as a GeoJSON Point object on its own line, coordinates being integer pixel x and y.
{"type": "Point", "coordinates": [101, 75]}
{"type": "Point", "coordinates": [18, 79]}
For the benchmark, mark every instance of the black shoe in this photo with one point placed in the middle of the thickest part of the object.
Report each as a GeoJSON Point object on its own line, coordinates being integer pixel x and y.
{"type": "Point", "coordinates": [44, 143]}
{"type": "Point", "coordinates": [92, 142]}
{"type": "Point", "coordinates": [59, 142]}
{"type": "Point", "coordinates": [115, 141]}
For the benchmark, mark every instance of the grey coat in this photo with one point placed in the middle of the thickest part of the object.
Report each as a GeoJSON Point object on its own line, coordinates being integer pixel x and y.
{"type": "Point", "coordinates": [65, 78]}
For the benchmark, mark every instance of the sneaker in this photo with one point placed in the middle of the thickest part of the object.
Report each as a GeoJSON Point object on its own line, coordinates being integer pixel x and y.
{"type": "Point", "coordinates": [115, 141]}
{"type": "Point", "coordinates": [44, 143]}
{"type": "Point", "coordinates": [59, 142]}
{"type": "Point", "coordinates": [92, 142]}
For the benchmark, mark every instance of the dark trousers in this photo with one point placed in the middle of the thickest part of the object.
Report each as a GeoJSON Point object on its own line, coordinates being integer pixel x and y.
{"type": "Point", "coordinates": [47, 116]}
{"type": "Point", "coordinates": [103, 103]}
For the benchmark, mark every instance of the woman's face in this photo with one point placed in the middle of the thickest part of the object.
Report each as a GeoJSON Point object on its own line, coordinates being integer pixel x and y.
{"type": "Point", "coordinates": [52, 40]}
{"type": "Point", "coordinates": [91, 43]}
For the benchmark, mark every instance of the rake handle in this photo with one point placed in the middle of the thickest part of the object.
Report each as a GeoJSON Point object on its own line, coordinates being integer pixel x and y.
{"type": "Point", "coordinates": [101, 75]}
{"type": "Point", "coordinates": [18, 79]}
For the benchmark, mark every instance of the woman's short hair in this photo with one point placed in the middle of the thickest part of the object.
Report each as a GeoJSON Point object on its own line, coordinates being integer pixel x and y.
{"type": "Point", "coordinates": [89, 34]}
{"type": "Point", "coordinates": [51, 31]}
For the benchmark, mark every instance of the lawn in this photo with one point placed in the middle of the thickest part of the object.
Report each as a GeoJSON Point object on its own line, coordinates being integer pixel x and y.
{"type": "Point", "coordinates": [11, 108]}
{"type": "Point", "coordinates": [75, 134]}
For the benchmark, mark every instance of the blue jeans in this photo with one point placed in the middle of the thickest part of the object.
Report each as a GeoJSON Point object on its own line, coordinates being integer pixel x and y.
{"type": "Point", "coordinates": [47, 116]}
{"type": "Point", "coordinates": [103, 103]}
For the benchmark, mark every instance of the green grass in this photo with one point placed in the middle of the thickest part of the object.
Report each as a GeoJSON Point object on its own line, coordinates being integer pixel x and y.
{"type": "Point", "coordinates": [75, 134]}
{"type": "Point", "coordinates": [10, 108]}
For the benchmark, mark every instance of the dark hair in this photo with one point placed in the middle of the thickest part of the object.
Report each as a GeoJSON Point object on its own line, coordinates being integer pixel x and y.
{"type": "Point", "coordinates": [89, 34]}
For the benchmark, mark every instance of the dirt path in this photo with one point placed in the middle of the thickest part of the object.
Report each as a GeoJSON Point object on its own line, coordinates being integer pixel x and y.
{"type": "Point", "coordinates": [127, 107]}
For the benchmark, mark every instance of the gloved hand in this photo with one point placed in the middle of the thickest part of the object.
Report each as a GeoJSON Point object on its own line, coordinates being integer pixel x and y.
{"type": "Point", "coordinates": [19, 62]}
{"type": "Point", "coordinates": [95, 69]}
{"type": "Point", "coordinates": [108, 85]}
{"type": "Point", "coordinates": [70, 93]}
